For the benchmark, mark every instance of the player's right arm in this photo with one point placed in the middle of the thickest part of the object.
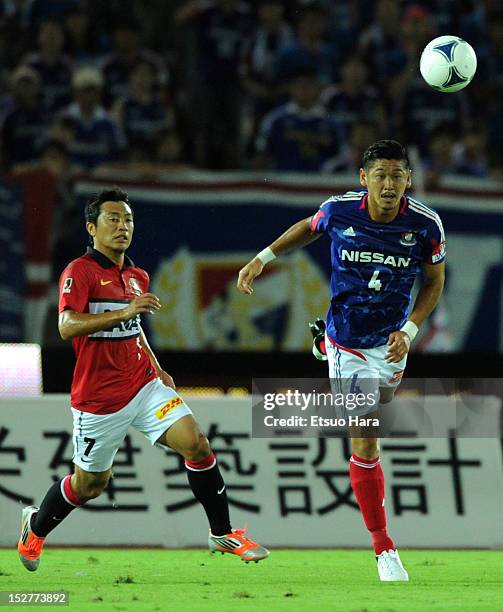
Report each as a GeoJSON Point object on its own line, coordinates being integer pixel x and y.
{"type": "Point", "coordinates": [75, 288]}
{"type": "Point", "coordinates": [72, 324]}
{"type": "Point", "coordinates": [298, 235]}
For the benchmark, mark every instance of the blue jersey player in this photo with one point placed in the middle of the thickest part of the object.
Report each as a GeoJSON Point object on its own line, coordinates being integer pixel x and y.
{"type": "Point", "coordinates": [380, 240]}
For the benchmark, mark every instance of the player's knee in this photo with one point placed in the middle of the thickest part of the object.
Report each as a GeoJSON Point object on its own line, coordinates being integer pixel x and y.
{"type": "Point", "coordinates": [366, 448]}
{"type": "Point", "coordinates": [90, 488]}
{"type": "Point", "coordinates": [95, 490]}
{"type": "Point", "coordinates": [197, 448]}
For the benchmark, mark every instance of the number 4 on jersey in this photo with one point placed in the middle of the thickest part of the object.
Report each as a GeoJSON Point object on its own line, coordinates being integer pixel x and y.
{"type": "Point", "coordinates": [374, 282]}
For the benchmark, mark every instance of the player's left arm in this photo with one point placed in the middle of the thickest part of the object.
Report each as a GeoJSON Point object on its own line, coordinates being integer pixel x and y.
{"type": "Point", "coordinates": [166, 379]}
{"type": "Point", "coordinates": [426, 300]}
{"type": "Point", "coordinates": [430, 292]}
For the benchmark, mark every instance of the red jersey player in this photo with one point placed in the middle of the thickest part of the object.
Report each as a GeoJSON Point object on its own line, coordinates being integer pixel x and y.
{"type": "Point", "coordinates": [118, 383]}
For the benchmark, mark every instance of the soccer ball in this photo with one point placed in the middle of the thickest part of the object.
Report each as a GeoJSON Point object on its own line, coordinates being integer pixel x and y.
{"type": "Point", "coordinates": [448, 63]}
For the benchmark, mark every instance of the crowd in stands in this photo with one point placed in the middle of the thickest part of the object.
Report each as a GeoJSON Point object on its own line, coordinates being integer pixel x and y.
{"type": "Point", "coordinates": [152, 87]}
{"type": "Point", "coordinates": [144, 88]}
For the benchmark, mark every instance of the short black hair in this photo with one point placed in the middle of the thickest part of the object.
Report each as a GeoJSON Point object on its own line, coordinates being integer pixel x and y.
{"type": "Point", "coordinates": [93, 207]}
{"type": "Point", "coordinates": [385, 149]}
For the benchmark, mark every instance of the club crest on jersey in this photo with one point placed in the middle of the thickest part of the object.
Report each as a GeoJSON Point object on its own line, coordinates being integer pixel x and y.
{"type": "Point", "coordinates": [408, 239]}
{"type": "Point", "coordinates": [67, 285]}
{"type": "Point", "coordinates": [135, 287]}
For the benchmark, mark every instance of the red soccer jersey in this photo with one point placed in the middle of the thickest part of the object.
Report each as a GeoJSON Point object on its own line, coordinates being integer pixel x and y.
{"type": "Point", "coordinates": [111, 365]}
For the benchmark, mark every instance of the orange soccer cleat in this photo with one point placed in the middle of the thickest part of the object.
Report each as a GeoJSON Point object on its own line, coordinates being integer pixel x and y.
{"type": "Point", "coordinates": [29, 545]}
{"type": "Point", "coordinates": [237, 544]}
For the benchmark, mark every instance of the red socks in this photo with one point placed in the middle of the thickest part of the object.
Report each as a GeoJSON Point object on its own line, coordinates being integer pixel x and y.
{"type": "Point", "coordinates": [367, 480]}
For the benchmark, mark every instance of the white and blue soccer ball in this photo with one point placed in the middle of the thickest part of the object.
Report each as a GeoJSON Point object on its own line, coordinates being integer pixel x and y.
{"type": "Point", "coordinates": [448, 63]}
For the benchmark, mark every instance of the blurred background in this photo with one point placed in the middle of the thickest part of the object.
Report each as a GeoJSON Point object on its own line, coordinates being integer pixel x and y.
{"type": "Point", "coordinates": [226, 121]}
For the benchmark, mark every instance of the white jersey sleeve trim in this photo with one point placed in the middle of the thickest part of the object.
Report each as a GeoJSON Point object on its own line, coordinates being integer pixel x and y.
{"type": "Point", "coordinates": [427, 212]}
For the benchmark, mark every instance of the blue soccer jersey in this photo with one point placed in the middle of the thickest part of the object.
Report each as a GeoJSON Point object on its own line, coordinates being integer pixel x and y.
{"type": "Point", "coordinates": [374, 265]}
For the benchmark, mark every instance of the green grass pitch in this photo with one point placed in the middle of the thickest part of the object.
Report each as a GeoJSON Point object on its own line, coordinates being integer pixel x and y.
{"type": "Point", "coordinates": [293, 580]}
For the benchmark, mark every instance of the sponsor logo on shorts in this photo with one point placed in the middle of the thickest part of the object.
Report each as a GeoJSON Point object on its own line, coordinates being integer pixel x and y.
{"type": "Point", "coordinates": [397, 376]}
{"type": "Point", "coordinates": [168, 407]}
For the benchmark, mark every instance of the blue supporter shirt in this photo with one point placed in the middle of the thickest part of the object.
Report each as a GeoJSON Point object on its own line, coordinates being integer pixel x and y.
{"type": "Point", "coordinates": [56, 80]}
{"type": "Point", "coordinates": [374, 265]}
{"type": "Point", "coordinates": [424, 110]}
{"type": "Point", "coordinates": [96, 141]}
{"type": "Point", "coordinates": [346, 109]}
{"type": "Point", "coordinates": [220, 36]}
{"type": "Point", "coordinates": [143, 122]}
{"type": "Point", "coordinates": [297, 140]}
{"type": "Point", "coordinates": [117, 73]}
{"type": "Point", "coordinates": [21, 135]}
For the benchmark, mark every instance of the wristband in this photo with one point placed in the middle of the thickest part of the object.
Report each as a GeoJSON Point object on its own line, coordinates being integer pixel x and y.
{"type": "Point", "coordinates": [410, 328]}
{"type": "Point", "coordinates": [266, 255]}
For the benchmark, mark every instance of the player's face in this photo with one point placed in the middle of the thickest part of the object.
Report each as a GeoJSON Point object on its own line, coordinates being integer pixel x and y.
{"type": "Point", "coordinates": [386, 181]}
{"type": "Point", "coordinates": [114, 228]}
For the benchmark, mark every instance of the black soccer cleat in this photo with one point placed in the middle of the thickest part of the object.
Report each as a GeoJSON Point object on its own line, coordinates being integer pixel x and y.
{"type": "Point", "coordinates": [319, 349]}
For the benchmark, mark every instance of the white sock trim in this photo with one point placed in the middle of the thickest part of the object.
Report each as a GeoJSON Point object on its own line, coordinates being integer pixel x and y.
{"type": "Point", "coordinates": [61, 486]}
{"type": "Point", "coordinates": [210, 467]}
{"type": "Point", "coordinates": [365, 465]}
